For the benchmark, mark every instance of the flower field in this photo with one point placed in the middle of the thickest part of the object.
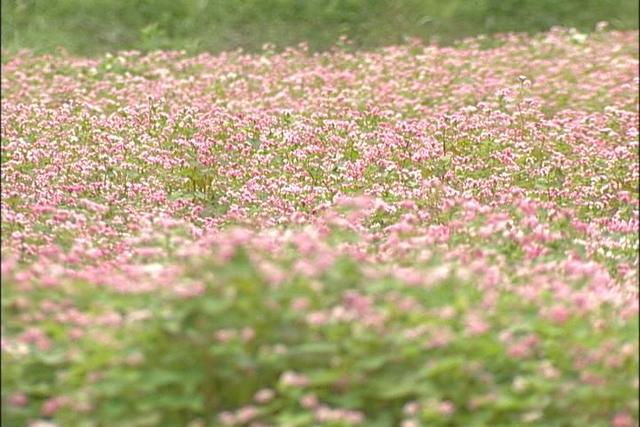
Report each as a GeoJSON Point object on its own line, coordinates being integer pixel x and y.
{"type": "Point", "coordinates": [411, 236]}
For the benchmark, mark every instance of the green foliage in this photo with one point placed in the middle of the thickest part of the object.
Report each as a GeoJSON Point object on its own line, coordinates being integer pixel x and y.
{"type": "Point", "coordinates": [173, 368]}
{"type": "Point", "coordinates": [95, 26]}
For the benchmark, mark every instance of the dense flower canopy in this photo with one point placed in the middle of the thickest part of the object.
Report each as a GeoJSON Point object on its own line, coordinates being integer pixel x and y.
{"type": "Point", "coordinates": [410, 236]}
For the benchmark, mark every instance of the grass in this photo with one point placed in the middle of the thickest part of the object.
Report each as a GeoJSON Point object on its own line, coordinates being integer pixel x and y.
{"type": "Point", "coordinates": [91, 27]}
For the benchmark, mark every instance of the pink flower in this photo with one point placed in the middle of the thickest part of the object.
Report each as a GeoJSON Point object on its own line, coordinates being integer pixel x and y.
{"type": "Point", "coordinates": [441, 338]}
{"type": "Point", "coordinates": [18, 399]}
{"type": "Point", "coordinates": [559, 314]}
{"type": "Point", "coordinates": [309, 401]}
{"type": "Point", "coordinates": [76, 333]}
{"type": "Point", "coordinates": [446, 408]}
{"type": "Point", "coordinates": [293, 379]}
{"type": "Point", "coordinates": [409, 276]}
{"type": "Point", "coordinates": [475, 325]}
{"type": "Point", "coordinates": [190, 290]}
{"type": "Point", "coordinates": [225, 335]}
{"type": "Point", "coordinates": [52, 405]}
{"type": "Point", "coordinates": [247, 334]}
{"type": "Point", "coordinates": [265, 395]}
{"type": "Point", "coordinates": [37, 337]}
{"type": "Point", "coordinates": [245, 414]}
{"type": "Point", "coordinates": [623, 419]}
{"type": "Point", "coordinates": [42, 423]}
{"type": "Point", "coordinates": [411, 408]}
{"type": "Point", "coordinates": [357, 302]}
{"type": "Point", "coordinates": [317, 318]}
{"type": "Point", "coordinates": [300, 304]}
{"type": "Point", "coordinates": [135, 359]}
{"type": "Point", "coordinates": [227, 418]}
{"type": "Point", "coordinates": [518, 351]}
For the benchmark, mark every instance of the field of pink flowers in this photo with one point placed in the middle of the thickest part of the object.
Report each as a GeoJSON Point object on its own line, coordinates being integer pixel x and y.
{"type": "Point", "coordinates": [414, 236]}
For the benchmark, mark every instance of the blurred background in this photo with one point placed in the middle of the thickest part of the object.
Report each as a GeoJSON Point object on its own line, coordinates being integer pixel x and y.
{"type": "Point", "coordinates": [92, 27]}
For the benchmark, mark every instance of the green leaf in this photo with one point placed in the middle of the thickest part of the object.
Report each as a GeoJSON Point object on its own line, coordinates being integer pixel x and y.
{"type": "Point", "coordinates": [254, 142]}
{"type": "Point", "coordinates": [177, 195]}
{"type": "Point", "coordinates": [324, 377]}
{"type": "Point", "coordinates": [314, 348]}
{"type": "Point", "coordinates": [373, 362]}
{"type": "Point", "coordinates": [160, 378]}
{"type": "Point", "coordinates": [396, 390]}
{"type": "Point", "coordinates": [146, 420]}
{"type": "Point", "coordinates": [295, 420]}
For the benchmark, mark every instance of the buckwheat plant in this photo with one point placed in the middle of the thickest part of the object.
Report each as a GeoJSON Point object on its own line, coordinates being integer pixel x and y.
{"type": "Point", "coordinates": [411, 236]}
